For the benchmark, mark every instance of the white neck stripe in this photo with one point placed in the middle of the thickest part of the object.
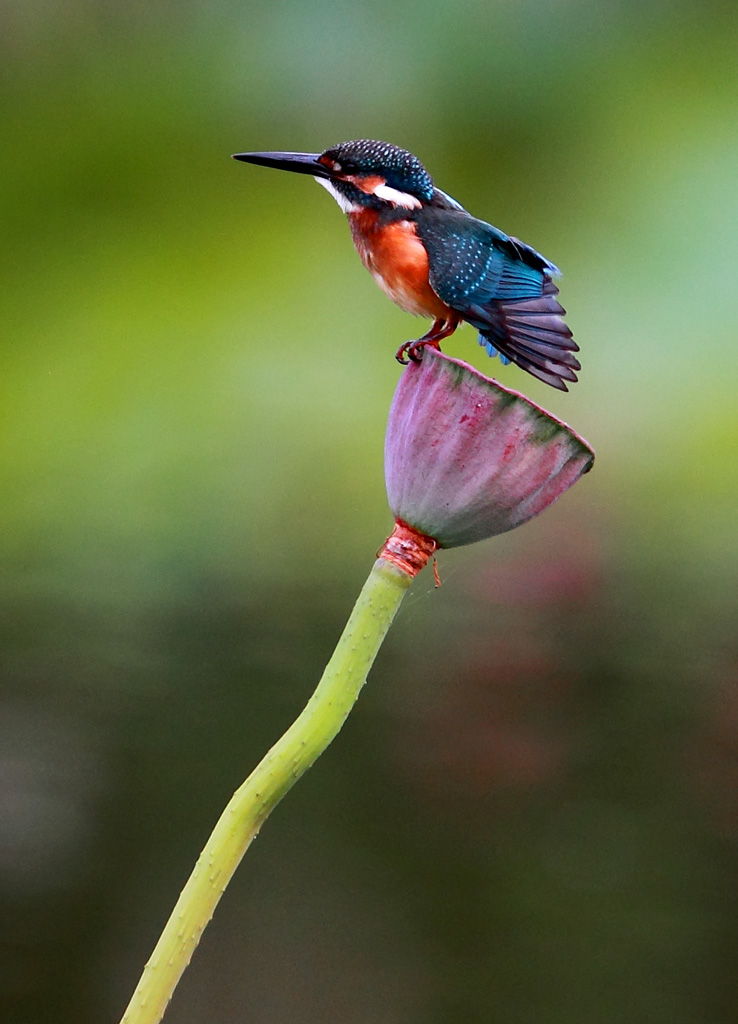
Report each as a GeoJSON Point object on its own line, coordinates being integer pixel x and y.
{"type": "Point", "coordinates": [392, 195]}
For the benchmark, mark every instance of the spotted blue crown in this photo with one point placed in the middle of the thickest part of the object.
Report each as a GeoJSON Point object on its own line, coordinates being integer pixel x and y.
{"type": "Point", "coordinates": [400, 169]}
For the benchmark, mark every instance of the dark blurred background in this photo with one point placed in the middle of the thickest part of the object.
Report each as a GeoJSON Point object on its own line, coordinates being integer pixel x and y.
{"type": "Point", "coordinates": [532, 814]}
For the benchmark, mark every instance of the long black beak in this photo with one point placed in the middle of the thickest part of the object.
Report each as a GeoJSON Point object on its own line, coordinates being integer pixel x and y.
{"type": "Point", "coordinates": [302, 163]}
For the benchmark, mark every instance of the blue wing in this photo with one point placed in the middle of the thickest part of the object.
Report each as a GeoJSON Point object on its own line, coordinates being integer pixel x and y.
{"type": "Point", "coordinates": [503, 288]}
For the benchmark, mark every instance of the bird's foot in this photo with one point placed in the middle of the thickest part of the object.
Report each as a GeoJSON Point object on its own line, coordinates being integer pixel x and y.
{"type": "Point", "coordinates": [412, 351]}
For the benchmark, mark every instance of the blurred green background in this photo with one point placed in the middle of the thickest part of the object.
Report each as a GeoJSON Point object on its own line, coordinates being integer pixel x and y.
{"type": "Point", "coordinates": [532, 814]}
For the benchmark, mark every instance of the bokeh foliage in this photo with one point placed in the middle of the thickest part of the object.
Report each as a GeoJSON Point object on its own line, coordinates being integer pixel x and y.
{"type": "Point", "coordinates": [531, 815]}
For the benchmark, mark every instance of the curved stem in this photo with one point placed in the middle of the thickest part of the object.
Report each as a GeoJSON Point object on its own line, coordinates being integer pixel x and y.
{"type": "Point", "coordinates": [289, 758]}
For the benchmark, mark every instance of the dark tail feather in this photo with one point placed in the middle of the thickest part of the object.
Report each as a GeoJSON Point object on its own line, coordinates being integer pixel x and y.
{"type": "Point", "coordinates": [532, 333]}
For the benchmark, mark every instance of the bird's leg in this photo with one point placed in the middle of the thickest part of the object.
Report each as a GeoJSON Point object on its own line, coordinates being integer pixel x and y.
{"type": "Point", "coordinates": [413, 350]}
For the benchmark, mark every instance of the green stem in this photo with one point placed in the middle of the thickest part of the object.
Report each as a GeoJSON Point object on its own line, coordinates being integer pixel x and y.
{"type": "Point", "coordinates": [278, 771]}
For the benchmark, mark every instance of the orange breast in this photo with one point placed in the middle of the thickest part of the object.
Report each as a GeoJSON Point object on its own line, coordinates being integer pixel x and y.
{"type": "Point", "coordinates": [396, 258]}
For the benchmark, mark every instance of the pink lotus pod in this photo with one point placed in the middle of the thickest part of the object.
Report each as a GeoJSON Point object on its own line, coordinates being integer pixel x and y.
{"type": "Point", "coordinates": [467, 459]}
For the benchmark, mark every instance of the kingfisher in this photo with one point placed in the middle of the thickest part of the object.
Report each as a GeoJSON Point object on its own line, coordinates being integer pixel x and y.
{"type": "Point", "coordinates": [434, 259]}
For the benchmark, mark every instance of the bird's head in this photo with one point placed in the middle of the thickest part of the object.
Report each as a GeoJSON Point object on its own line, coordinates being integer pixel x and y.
{"type": "Point", "coordinates": [361, 173]}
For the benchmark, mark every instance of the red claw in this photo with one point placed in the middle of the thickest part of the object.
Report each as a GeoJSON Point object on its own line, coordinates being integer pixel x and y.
{"type": "Point", "coordinates": [413, 350]}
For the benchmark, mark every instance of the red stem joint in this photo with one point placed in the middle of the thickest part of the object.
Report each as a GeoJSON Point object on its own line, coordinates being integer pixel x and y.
{"type": "Point", "coordinates": [407, 548]}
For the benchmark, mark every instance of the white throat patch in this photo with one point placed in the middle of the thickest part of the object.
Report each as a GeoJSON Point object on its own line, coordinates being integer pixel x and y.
{"type": "Point", "coordinates": [346, 205]}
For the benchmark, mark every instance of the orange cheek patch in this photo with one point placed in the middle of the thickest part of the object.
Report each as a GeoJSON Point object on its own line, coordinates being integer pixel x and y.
{"type": "Point", "coordinates": [368, 184]}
